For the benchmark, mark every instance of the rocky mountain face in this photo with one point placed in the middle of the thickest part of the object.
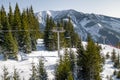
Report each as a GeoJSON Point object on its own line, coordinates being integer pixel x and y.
{"type": "Point", "coordinates": [103, 29]}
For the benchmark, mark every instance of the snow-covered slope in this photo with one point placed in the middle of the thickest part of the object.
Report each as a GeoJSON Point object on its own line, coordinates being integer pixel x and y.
{"type": "Point", "coordinates": [24, 66]}
{"type": "Point", "coordinates": [50, 60]}
{"type": "Point", "coordinates": [96, 25]}
{"type": "Point", "coordinates": [108, 68]}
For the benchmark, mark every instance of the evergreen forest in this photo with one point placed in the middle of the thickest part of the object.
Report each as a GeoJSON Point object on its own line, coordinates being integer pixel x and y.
{"type": "Point", "coordinates": [19, 31]}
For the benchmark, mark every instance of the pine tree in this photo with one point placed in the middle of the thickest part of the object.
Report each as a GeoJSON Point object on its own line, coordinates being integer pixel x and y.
{"type": "Point", "coordinates": [113, 56]}
{"type": "Point", "coordinates": [5, 74]}
{"type": "Point", "coordinates": [114, 73]}
{"type": "Point", "coordinates": [3, 16]}
{"type": "Point", "coordinates": [9, 44]}
{"type": "Point", "coordinates": [81, 59]}
{"type": "Point", "coordinates": [63, 68]}
{"type": "Point", "coordinates": [107, 56]}
{"type": "Point", "coordinates": [72, 60]}
{"type": "Point", "coordinates": [48, 34]}
{"type": "Point", "coordinates": [111, 78]}
{"type": "Point", "coordinates": [118, 75]}
{"type": "Point", "coordinates": [68, 40]}
{"type": "Point", "coordinates": [11, 24]}
{"type": "Point", "coordinates": [103, 60]}
{"type": "Point", "coordinates": [17, 25]}
{"type": "Point", "coordinates": [26, 40]}
{"type": "Point", "coordinates": [117, 62]}
{"type": "Point", "coordinates": [76, 38]}
{"type": "Point", "coordinates": [34, 27]}
{"type": "Point", "coordinates": [93, 64]}
{"type": "Point", "coordinates": [89, 61]}
{"type": "Point", "coordinates": [70, 76]}
{"type": "Point", "coordinates": [1, 36]}
{"type": "Point", "coordinates": [34, 72]}
{"type": "Point", "coordinates": [16, 75]}
{"type": "Point", "coordinates": [10, 17]}
{"type": "Point", "coordinates": [41, 72]}
{"type": "Point", "coordinates": [3, 27]}
{"type": "Point", "coordinates": [2, 24]}
{"type": "Point", "coordinates": [0, 15]}
{"type": "Point", "coordinates": [118, 45]}
{"type": "Point", "coordinates": [69, 32]}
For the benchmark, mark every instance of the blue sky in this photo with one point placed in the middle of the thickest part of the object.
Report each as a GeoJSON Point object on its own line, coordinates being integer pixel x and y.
{"type": "Point", "coordinates": [105, 7]}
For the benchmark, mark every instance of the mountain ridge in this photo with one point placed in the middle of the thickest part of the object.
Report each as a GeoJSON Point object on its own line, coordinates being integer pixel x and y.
{"type": "Point", "coordinates": [98, 26]}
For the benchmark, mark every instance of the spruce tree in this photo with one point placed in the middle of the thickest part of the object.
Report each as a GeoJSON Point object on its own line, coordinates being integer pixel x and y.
{"type": "Point", "coordinates": [117, 62]}
{"type": "Point", "coordinates": [113, 56]}
{"type": "Point", "coordinates": [34, 27]}
{"type": "Point", "coordinates": [89, 61]}
{"type": "Point", "coordinates": [10, 44]}
{"type": "Point", "coordinates": [81, 61]}
{"type": "Point", "coordinates": [16, 75]}
{"type": "Point", "coordinates": [3, 18]}
{"type": "Point", "coordinates": [93, 64]}
{"type": "Point", "coordinates": [1, 36]}
{"type": "Point", "coordinates": [5, 75]}
{"type": "Point", "coordinates": [107, 56]}
{"type": "Point", "coordinates": [48, 34]}
{"type": "Point", "coordinates": [0, 15]}
{"type": "Point", "coordinates": [41, 72]}
{"type": "Point", "coordinates": [70, 76]}
{"type": "Point", "coordinates": [118, 75]}
{"type": "Point", "coordinates": [10, 17]}
{"type": "Point", "coordinates": [26, 40]}
{"type": "Point", "coordinates": [63, 68]}
{"type": "Point", "coordinates": [69, 32]}
{"type": "Point", "coordinates": [72, 60]}
{"type": "Point", "coordinates": [115, 72]}
{"type": "Point", "coordinates": [118, 45]}
{"type": "Point", "coordinates": [17, 25]}
{"type": "Point", "coordinates": [34, 72]}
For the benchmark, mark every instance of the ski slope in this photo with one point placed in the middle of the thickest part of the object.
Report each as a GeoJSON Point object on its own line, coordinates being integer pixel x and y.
{"type": "Point", "coordinates": [23, 64]}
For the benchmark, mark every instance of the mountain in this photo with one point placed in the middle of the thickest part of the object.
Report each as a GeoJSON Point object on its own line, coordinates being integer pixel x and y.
{"type": "Point", "coordinates": [103, 29]}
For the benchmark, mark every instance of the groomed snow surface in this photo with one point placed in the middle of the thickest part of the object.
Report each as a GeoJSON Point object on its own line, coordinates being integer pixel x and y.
{"type": "Point", "coordinates": [25, 61]}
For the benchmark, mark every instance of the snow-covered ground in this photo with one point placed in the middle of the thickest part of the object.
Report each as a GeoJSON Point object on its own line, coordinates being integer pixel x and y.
{"type": "Point", "coordinates": [108, 68]}
{"type": "Point", "coordinates": [23, 64]}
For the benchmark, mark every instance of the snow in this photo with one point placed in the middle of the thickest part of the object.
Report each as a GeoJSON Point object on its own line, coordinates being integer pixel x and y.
{"type": "Point", "coordinates": [50, 61]}
{"type": "Point", "coordinates": [24, 66]}
{"type": "Point", "coordinates": [99, 25]}
{"type": "Point", "coordinates": [84, 22]}
{"type": "Point", "coordinates": [108, 68]}
{"type": "Point", "coordinates": [94, 30]}
{"type": "Point", "coordinates": [49, 13]}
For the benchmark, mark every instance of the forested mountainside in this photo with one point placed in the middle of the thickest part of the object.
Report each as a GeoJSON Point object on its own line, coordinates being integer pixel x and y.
{"type": "Point", "coordinates": [103, 29]}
